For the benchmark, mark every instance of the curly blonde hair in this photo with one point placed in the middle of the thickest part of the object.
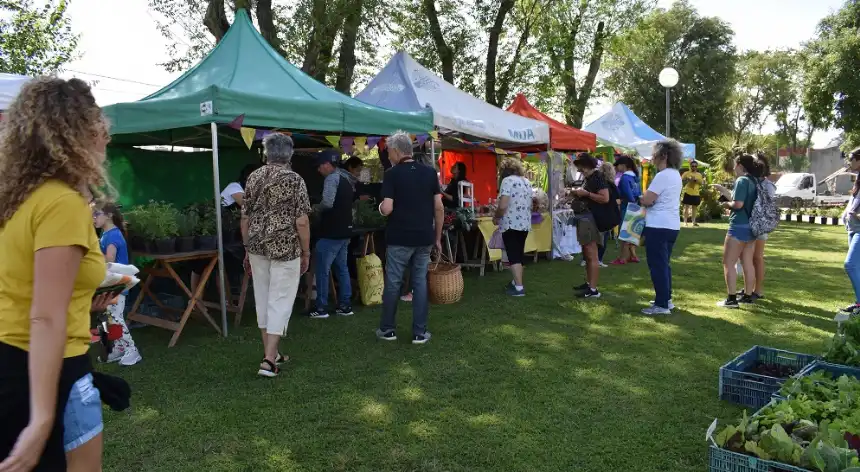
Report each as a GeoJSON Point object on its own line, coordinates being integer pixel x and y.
{"type": "Point", "coordinates": [608, 171]}
{"type": "Point", "coordinates": [511, 166]}
{"type": "Point", "coordinates": [47, 133]}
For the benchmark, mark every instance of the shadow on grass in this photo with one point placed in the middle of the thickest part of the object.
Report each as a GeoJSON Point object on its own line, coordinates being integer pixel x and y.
{"type": "Point", "coordinates": [542, 383]}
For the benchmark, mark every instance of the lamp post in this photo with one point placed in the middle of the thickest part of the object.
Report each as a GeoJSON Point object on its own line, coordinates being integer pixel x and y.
{"type": "Point", "coordinates": [668, 79]}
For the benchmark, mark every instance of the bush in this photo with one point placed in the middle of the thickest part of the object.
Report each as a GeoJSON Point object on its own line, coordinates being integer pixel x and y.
{"type": "Point", "coordinates": [153, 221]}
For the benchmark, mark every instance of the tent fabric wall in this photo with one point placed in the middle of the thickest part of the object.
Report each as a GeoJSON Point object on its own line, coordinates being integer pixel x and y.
{"type": "Point", "coordinates": [180, 178]}
{"type": "Point", "coordinates": [562, 137]}
{"type": "Point", "coordinates": [480, 170]}
{"type": "Point", "coordinates": [243, 75]}
{"type": "Point", "coordinates": [405, 85]}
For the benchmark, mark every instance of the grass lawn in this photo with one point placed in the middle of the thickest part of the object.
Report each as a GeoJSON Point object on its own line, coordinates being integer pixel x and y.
{"type": "Point", "coordinates": [541, 383]}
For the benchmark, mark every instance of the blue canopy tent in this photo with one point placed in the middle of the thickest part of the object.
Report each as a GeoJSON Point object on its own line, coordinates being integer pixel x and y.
{"type": "Point", "coordinates": [620, 125]}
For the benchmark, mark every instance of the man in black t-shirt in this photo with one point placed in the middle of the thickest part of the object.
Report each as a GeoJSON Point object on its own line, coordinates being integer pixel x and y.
{"type": "Point", "coordinates": [413, 204]}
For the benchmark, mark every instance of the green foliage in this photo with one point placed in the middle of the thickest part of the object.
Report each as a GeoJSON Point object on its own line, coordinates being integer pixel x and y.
{"type": "Point", "coordinates": [807, 429]}
{"type": "Point", "coordinates": [188, 222]}
{"type": "Point", "coordinates": [797, 163]}
{"type": "Point", "coordinates": [701, 50]}
{"type": "Point", "coordinates": [723, 149]}
{"type": "Point", "coordinates": [844, 348]}
{"type": "Point", "coordinates": [35, 40]}
{"type": "Point", "coordinates": [366, 215]}
{"type": "Point", "coordinates": [832, 92]}
{"type": "Point", "coordinates": [207, 225]}
{"type": "Point", "coordinates": [154, 221]}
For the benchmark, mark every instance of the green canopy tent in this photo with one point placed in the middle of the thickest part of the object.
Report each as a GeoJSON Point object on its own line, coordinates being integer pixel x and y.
{"type": "Point", "coordinates": [243, 75]}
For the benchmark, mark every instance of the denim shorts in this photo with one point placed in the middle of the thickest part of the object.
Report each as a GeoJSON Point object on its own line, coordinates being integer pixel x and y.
{"type": "Point", "coordinates": [82, 418]}
{"type": "Point", "coordinates": [742, 233]}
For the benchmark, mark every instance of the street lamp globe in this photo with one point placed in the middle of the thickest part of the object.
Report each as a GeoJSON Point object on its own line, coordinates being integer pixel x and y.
{"type": "Point", "coordinates": [668, 77]}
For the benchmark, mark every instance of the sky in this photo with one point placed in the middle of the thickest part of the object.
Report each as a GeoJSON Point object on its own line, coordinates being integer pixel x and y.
{"type": "Point", "coordinates": [121, 47]}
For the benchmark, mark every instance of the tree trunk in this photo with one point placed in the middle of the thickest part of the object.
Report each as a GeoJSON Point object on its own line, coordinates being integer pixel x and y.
{"type": "Point", "coordinates": [504, 87]}
{"type": "Point", "coordinates": [581, 101]}
{"type": "Point", "coordinates": [326, 51]}
{"type": "Point", "coordinates": [346, 60]}
{"type": "Point", "coordinates": [493, 50]}
{"type": "Point", "coordinates": [215, 19]}
{"type": "Point", "coordinates": [312, 51]}
{"type": "Point", "coordinates": [266, 22]}
{"type": "Point", "coordinates": [446, 56]}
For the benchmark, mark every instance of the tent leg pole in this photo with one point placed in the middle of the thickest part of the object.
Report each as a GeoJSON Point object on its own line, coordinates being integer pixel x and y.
{"type": "Point", "coordinates": [220, 229]}
{"type": "Point", "coordinates": [549, 158]}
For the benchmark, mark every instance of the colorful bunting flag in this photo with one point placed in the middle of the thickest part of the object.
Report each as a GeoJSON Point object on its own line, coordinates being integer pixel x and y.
{"type": "Point", "coordinates": [248, 135]}
{"type": "Point", "coordinates": [333, 140]}
{"type": "Point", "coordinates": [346, 145]}
{"type": "Point", "coordinates": [360, 143]}
{"type": "Point", "coordinates": [435, 135]}
{"type": "Point", "coordinates": [372, 141]}
{"type": "Point", "coordinates": [237, 123]}
{"type": "Point", "coordinates": [422, 138]}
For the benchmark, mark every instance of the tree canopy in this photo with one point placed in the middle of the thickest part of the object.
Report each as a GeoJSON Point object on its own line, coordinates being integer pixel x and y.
{"type": "Point", "coordinates": [35, 40]}
{"type": "Point", "coordinates": [699, 48]}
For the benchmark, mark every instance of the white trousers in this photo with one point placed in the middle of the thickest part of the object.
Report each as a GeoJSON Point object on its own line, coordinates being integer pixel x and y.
{"type": "Point", "coordinates": [275, 287]}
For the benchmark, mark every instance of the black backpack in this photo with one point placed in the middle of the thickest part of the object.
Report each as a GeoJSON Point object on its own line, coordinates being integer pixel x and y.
{"type": "Point", "coordinates": [607, 215]}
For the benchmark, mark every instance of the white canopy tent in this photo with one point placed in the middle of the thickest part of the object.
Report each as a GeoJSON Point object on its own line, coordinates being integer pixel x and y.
{"type": "Point", "coordinates": [10, 84]}
{"type": "Point", "coordinates": [405, 85]}
{"type": "Point", "coordinates": [620, 125]}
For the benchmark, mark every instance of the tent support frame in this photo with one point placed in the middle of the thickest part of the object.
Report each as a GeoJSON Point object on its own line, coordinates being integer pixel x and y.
{"type": "Point", "coordinates": [220, 229]}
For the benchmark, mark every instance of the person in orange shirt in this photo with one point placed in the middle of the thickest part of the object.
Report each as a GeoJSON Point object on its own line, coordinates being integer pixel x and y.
{"type": "Point", "coordinates": [52, 152]}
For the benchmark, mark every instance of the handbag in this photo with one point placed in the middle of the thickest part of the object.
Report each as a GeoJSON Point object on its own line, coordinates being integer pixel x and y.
{"type": "Point", "coordinates": [496, 241]}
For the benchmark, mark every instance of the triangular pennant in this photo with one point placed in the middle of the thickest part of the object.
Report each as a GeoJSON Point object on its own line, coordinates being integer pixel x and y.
{"type": "Point", "coordinates": [381, 144]}
{"type": "Point", "coordinates": [360, 143]}
{"type": "Point", "coordinates": [333, 140]}
{"type": "Point", "coordinates": [346, 144]}
{"type": "Point", "coordinates": [237, 123]}
{"type": "Point", "coordinates": [372, 141]}
{"type": "Point", "coordinates": [435, 135]}
{"type": "Point", "coordinates": [422, 138]}
{"type": "Point", "coordinates": [248, 135]}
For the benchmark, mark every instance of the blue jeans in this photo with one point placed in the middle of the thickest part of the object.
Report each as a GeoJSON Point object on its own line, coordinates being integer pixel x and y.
{"type": "Point", "coordinates": [852, 263]}
{"type": "Point", "coordinates": [326, 253]}
{"type": "Point", "coordinates": [658, 249]}
{"type": "Point", "coordinates": [397, 260]}
{"type": "Point", "coordinates": [601, 250]}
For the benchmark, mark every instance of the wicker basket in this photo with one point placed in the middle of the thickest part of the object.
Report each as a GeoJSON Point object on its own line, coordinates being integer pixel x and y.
{"type": "Point", "coordinates": [444, 282]}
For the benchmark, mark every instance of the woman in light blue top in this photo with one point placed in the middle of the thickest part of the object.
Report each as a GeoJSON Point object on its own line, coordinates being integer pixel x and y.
{"type": "Point", "coordinates": [851, 218]}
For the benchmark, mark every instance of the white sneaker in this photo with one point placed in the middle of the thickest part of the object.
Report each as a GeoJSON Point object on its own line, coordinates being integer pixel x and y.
{"type": "Point", "coordinates": [114, 356]}
{"type": "Point", "coordinates": [671, 305]}
{"type": "Point", "coordinates": [582, 264]}
{"type": "Point", "coordinates": [654, 310]}
{"type": "Point", "coordinates": [601, 264]}
{"type": "Point", "coordinates": [131, 357]}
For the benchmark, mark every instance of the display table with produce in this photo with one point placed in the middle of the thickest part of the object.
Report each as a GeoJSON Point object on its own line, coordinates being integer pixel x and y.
{"type": "Point", "coordinates": [163, 268]}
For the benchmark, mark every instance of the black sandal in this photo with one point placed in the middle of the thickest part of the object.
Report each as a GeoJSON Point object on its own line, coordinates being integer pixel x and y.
{"type": "Point", "coordinates": [271, 371]}
{"type": "Point", "coordinates": [279, 360]}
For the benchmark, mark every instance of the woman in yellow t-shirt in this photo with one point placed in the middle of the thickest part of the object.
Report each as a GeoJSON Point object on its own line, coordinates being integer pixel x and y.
{"type": "Point", "coordinates": [52, 151]}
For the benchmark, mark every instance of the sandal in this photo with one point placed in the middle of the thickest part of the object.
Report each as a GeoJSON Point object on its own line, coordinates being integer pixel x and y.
{"type": "Point", "coordinates": [279, 360]}
{"type": "Point", "coordinates": [271, 371]}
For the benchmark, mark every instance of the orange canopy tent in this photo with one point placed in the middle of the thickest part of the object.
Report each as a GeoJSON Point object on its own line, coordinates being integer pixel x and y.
{"type": "Point", "coordinates": [561, 136]}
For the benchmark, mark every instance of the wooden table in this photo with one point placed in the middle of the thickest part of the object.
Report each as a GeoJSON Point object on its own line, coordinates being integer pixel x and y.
{"type": "Point", "coordinates": [163, 268]}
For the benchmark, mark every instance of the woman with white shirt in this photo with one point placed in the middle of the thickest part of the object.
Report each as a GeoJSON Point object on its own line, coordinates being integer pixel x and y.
{"type": "Point", "coordinates": [662, 222]}
{"type": "Point", "coordinates": [234, 192]}
{"type": "Point", "coordinates": [514, 217]}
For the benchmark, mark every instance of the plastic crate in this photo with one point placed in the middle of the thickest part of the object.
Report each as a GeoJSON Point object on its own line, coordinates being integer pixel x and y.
{"type": "Point", "coordinates": [837, 370]}
{"type": "Point", "coordinates": [722, 460]}
{"type": "Point", "coordinates": [752, 390]}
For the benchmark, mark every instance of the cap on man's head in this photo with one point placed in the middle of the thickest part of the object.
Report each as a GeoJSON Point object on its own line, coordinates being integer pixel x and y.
{"type": "Point", "coordinates": [330, 156]}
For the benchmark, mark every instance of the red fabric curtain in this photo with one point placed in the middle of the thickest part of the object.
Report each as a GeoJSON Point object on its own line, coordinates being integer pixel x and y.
{"type": "Point", "coordinates": [480, 171]}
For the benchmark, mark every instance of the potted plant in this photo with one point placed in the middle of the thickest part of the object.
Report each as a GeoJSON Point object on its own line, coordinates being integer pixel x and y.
{"type": "Point", "coordinates": [136, 223]}
{"type": "Point", "coordinates": [165, 227]}
{"type": "Point", "coordinates": [187, 223]}
{"type": "Point", "coordinates": [206, 239]}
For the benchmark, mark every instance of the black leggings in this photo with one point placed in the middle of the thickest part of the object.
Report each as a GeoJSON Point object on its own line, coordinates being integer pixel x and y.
{"type": "Point", "coordinates": [515, 245]}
